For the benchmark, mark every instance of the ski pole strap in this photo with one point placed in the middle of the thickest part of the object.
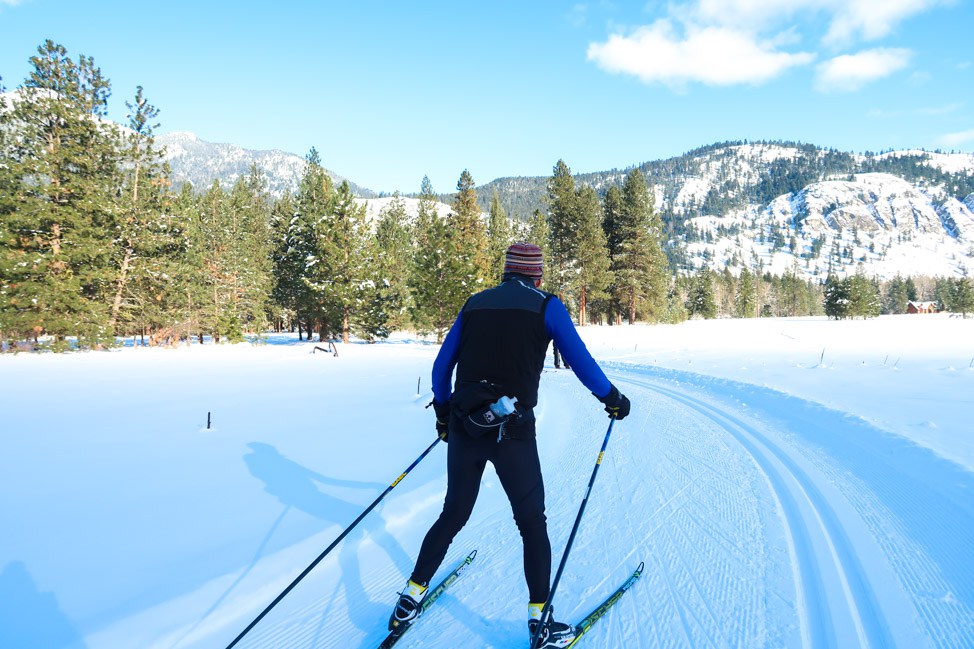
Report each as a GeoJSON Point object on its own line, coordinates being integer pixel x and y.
{"type": "Point", "coordinates": [546, 613]}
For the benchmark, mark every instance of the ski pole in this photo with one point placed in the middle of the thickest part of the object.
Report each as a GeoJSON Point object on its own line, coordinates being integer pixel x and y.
{"type": "Point", "coordinates": [334, 543]}
{"type": "Point", "coordinates": [546, 611]}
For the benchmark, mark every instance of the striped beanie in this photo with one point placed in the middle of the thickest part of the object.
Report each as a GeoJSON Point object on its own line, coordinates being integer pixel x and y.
{"type": "Point", "coordinates": [523, 259]}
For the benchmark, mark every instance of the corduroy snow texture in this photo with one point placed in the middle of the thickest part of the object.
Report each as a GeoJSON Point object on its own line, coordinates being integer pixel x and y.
{"type": "Point", "coordinates": [523, 259]}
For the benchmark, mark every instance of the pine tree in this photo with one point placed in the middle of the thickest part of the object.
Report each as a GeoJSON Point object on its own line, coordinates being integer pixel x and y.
{"type": "Point", "coordinates": [593, 277]}
{"type": "Point", "coordinates": [498, 237]}
{"type": "Point", "coordinates": [342, 272]}
{"type": "Point", "coordinates": [212, 263]}
{"type": "Point", "coordinates": [190, 276]}
{"type": "Point", "coordinates": [745, 302]}
{"type": "Point", "coordinates": [287, 287]}
{"type": "Point", "coordinates": [964, 295]}
{"type": "Point", "coordinates": [701, 301]}
{"type": "Point", "coordinates": [911, 289]}
{"type": "Point", "coordinates": [228, 258]}
{"type": "Point", "coordinates": [676, 310]}
{"type": "Point", "coordinates": [863, 296]}
{"type": "Point", "coordinates": [640, 267]}
{"type": "Point", "coordinates": [725, 285]}
{"type": "Point", "coordinates": [438, 290]}
{"type": "Point", "coordinates": [538, 235]}
{"type": "Point", "coordinates": [57, 204]}
{"type": "Point", "coordinates": [470, 234]}
{"type": "Point", "coordinates": [394, 252]}
{"type": "Point", "coordinates": [562, 260]}
{"type": "Point", "coordinates": [896, 299]}
{"type": "Point", "coordinates": [309, 230]}
{"type": "Point", "coordinates": [611, 225]}
{"type": "Point", "coordinates": [250, 237]}
{"type": "Point", "coordinates": [147, 235]}
{"type": "Point", "coordinates": [836, 298]}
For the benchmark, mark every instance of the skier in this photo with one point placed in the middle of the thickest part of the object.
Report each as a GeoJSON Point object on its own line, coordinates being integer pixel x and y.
{"type": "Point", "coordinates": [498, 345]}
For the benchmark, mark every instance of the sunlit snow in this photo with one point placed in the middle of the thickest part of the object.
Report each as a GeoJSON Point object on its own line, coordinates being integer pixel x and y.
{"type": "Point", "coordinates": [787, 482]}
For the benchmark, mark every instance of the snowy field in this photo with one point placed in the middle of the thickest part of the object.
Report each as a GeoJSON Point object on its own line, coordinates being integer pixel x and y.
{"type": "Point", "coordinates": [787, 482]}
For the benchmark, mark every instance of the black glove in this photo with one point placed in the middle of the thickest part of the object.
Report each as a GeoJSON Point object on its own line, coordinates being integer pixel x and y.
{"type": "Point", "coordinates": [616, 403]}
{"type": "Point", "coordinates": [442, 411]}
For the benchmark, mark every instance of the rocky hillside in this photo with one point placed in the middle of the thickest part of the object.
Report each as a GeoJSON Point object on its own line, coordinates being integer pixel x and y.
{"type": "Point", "coordinates": [782, 207]}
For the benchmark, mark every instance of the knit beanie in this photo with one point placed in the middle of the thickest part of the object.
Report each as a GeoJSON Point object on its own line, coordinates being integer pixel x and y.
{"type": "Point", "coordinates": [524, 259]}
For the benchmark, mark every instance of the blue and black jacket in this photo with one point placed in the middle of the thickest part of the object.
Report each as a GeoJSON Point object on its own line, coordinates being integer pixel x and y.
{"type": "Point", "coordinates": [502, 336]}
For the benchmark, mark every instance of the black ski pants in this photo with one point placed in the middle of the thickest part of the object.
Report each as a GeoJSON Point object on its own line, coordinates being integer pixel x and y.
{"type": "Point", "coordinates": [519, 469]}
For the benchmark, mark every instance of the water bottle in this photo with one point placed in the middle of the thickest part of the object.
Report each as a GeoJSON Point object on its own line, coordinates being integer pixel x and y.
{"type": "Point", "coordinates": [503, 406]}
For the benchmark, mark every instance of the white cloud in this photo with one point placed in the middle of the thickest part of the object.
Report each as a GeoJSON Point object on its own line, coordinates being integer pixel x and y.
{"type": "Point", "coordinates": [847, 19]}
{"type": "Point", "coordinates": [957, 139]}
{"type": "Point", "coordinates": [748, 14]}
{"type": "Point", "coordinates": [724, 42]}
{"type": "Point", "coordinates": [710, 55]}
{"type": "Point", "coordinates": [872, 19]}
{"type": "Point", "coordinates": [852, 71]}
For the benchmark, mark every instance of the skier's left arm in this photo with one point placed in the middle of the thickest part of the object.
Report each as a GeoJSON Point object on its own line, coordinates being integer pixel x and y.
{"type": "Point", "coordinates": [445, 361]}
{"type": "Point", "coordinates": [562, 330]}
{"type": "Point", "coordinates": [443, 366]}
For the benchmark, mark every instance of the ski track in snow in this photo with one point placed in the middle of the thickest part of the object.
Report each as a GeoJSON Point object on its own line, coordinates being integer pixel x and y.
{"type": "Point", "coordinates": [842, 538]}
{"type": "Point", "coordinates": [755, 519]}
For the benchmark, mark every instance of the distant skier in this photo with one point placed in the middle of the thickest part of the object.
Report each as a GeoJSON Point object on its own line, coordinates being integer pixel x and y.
{"type": "Point", "coordinates": [498, 345]}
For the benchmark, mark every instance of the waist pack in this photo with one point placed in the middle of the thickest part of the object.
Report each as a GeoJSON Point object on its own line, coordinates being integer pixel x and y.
{"type": "Point", "coordinates": [472, 400]}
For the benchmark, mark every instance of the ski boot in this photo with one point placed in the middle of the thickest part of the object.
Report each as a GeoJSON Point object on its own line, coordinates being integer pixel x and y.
{"type": "Point", "coordinates": [553, 634]}
{"type": "Point", "coordinates": [408, 607]}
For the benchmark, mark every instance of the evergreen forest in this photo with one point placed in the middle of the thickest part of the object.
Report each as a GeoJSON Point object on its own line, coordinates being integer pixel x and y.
{"type": "Point", "coordinates": [97, 245]}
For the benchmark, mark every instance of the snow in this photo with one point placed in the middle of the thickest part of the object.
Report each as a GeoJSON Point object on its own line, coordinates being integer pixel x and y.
{"type": "Point", "coordinates": [788, 483]}
{"type": "Point", "coordinates": [947, 162]}
{"type": "Point", "coordinates": [375, 206]}
{"type": "Point", "coordinates": [901, 227]}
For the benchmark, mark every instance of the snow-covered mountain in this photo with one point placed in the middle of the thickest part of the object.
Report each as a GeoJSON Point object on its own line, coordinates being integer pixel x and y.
{"type": "Point", "coordinates": [200, 163]}
{"type": "Point", "coordinates": [876, 220]}
{"type": "Point", "coordinates": [783, 207]}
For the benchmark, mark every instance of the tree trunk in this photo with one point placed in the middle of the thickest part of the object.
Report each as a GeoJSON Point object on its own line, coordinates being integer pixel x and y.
{"type": "Point", "coordinates": [581, 309]}
{"type": "Point", "coordinates": [345, 324]}
{"type": "Point", "coordinates": [122, 278]}
{"type": "Point", "coordinates": [216, 313]}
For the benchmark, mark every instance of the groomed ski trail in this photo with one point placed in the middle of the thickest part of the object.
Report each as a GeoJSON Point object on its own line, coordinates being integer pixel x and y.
{"type": "Point", "coordinates": [858, 578]}
{"type": "Point", "coordinates": [755, 533]}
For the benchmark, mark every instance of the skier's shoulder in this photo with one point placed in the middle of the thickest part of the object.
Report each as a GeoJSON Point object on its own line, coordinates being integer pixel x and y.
{"type": "Point", "coordinates": [510, 294]}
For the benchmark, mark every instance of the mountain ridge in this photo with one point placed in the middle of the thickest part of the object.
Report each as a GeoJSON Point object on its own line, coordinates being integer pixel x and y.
{"type": "Point", "coordinates": [200, 162]}
{"type": "Point", "coordinates": [748, 204]}
{"type": "Point", "coordinates": [770, 206]}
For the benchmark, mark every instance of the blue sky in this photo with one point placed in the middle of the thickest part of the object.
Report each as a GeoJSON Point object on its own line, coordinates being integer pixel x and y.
{"type": "Point", "coordinates": [391, 91]}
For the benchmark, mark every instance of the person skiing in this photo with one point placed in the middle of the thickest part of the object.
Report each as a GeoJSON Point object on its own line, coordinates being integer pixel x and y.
{"type": "Point", "coordinates": [498, 345]}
